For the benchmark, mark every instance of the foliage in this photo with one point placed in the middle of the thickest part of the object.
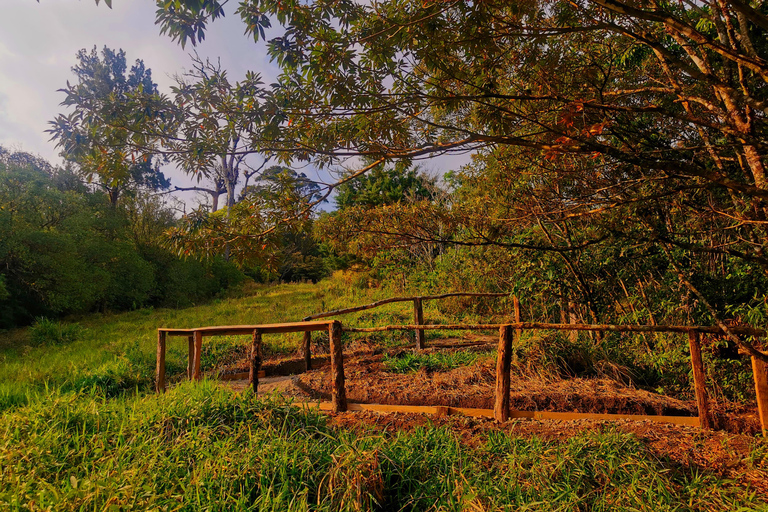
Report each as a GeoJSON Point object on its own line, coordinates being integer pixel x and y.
{"type": "Point", "coordinates": [63, 250]}
{"type": "Point", "coordinates": [92, 137]}
{"type": "Point", "coordinates": [410, 362]}
{"type": "Point", "coordinates": [235, 451]}
{"type": "Point", "coordinates": [49, 332]}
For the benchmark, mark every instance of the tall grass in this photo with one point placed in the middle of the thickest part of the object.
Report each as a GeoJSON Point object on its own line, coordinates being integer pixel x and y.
{"type": "Point", "coordinates": [204, 448]}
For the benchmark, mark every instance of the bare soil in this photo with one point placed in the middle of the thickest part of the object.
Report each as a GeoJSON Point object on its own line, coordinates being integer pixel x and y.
{"type": "Point", "coordinates": [367, 381]}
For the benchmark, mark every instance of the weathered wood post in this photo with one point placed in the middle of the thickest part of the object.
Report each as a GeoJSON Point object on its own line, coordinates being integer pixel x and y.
{"type": "Point", "coordinates": [198, 338]}
{"type": "Point", "coordinates": [760, 373]}
{"type": "Point", "coordinates": [338, 391]}
{"type": "Point", "coordinates": [503, 368]}
{"type": "Point", "coordinates": [160, 370]}
{"type": "Point", "coordinates": [190, 356]}
{"type": "Point", "coordinates": [516, 303]}
{"type": "Point", "coordinates": [253, 375]}
{"type": "Point", "coordinates": [307, 350]}
{"type": "Point", "coordinates": [572, 319]}
{"type": "Point", "coordinates": [418, 319]}
{"type": "Point", "coordinates": [699, 380]}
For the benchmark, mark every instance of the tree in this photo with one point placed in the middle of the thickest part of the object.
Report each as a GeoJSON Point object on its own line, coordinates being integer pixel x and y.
{"type": "Point", "coordinates": [386, 186]}
{"type": "Point", "coordinates": [95, 135]}
{"type": "Point", "coordinates": [214, 128]}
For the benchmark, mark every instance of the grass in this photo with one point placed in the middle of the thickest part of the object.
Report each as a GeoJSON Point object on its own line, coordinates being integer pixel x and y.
{"type": "Point", "coordinates": [411, 362]}
{"type": "Point", "coordinates": [204, 448]}
{"type": "Point", "coordinates": [79, 430]}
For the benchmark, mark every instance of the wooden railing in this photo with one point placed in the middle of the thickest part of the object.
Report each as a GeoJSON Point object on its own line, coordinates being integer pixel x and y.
{"type": "Point", "coordinates": [508, 334]}
{"type": "Point", "coordinates": [418, 310]}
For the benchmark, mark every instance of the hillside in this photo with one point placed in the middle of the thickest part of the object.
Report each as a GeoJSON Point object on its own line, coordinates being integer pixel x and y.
{"type": "Point", "coordinates": [81, 429]}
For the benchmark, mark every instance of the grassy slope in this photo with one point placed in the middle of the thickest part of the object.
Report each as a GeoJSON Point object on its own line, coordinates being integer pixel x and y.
{"type": "Point", "coordinates": [80, 444]}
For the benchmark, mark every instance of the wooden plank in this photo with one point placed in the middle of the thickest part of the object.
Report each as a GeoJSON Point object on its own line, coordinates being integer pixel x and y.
{"type": "Point", "coordinates": [253, 374]}
{"type": "Point", "coordinates": [190, 355]}
{"type": "Point", "coordinates": [760, 374]}
{"type": "Point", "coordinates": [503, 362]}
{"type": "Point", "coordinates": [376, 304]}
{"type": "Point", "coordinates": [338, 390]}
{"type": "Point", "coordinates": [241, 376]}
{"type": "Point", "coordinates": [234, 330]}
{"type": "Point", "coordinates": [198, 338]}
{"type": "Point", "coordinates": [418, 319]}
{"type": "Point", "coordinates": [692, 421]}
{"type": "Point", "coordinates": [699, 380]}
{"type": "Point", "coordinates": [747, 331]}
{"type": "Point", "coordinates": [160, 370]}
{"type": "Point", "coordinates": [307, 350]}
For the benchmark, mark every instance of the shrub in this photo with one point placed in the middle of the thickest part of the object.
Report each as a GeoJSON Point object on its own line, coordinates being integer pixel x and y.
{"type": "Point", "coordinates": [50, 332]}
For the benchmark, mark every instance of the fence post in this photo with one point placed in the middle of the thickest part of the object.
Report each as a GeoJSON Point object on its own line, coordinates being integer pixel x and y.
{"type": "Point", "coordinates": [253, 376]}
{"type": "Point", "coordinates": [307, 350]}
{"type": "Point", "coordinates": [503, 364]}
{"type": "Point", "coordinates": [338, 391]}
{"type": "Point", "coordinates": [699, 380]}
{"type": "Point", "coordinates": [190, 356]}
{"type": "Point", "coordinates": [160, 371]}
{"type": "Point", "coordinates": [418, 319]}
{"type": "Point", "coordinates": [760, 373]}
{"type": "Point", "coordinates": [198, 337]}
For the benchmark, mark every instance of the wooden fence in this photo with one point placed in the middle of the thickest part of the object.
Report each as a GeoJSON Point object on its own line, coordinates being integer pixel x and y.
{"type": "Point", "coordinates": [508, 335]}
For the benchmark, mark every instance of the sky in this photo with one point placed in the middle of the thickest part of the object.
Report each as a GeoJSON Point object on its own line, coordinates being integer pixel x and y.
{"type": "Point", "coordinates": [39, 41]}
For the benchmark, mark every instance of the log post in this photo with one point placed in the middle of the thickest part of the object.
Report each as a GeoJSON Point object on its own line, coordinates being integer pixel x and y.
{"type": "Point", "coordinates": [253, 375]}
{"type": "Point", "coordinates": [516, 303]}
{"type": "Point", "coordinates": [699, 380]}
{"type": "Point", "coordinates": [503, 363]}
{"type": "Point", "coordinates": [190, 356]}
{"type": "Point", "coordinates": [760, 373]}
{"type": "Point", "coordinates": [338, 391]}
{"type": "Point", "coordinates": [160, 371]}
{"type": "Point", "coordinates": [572, 319]}
{"type": "Point", "coordinates": [308, 350]}
{"type": "Point", "coordinates": [198, 339]}
{"type": "Point", "coordinates": [418, 319]}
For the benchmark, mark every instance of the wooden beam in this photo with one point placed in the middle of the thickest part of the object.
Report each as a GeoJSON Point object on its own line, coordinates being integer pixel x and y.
{"type": "Point", "coordinates": [241, 376]}
{"type": "Point", "coordinates": [503, 362]}
{"type": "Point", "coordinates": [760, 374]}
{"type": "Point", "coordinates": [160, 370]}
{"type": "Point", "coordinates": [376, 304]}
{"type": "Point", "coordinates": [190, 356]}
{"type": "Point", "coordinates": [307, 350]}
{"type": "Point", "coordinates": [489, 413]}
{"type": "Point", "coordinates": [418, 319]}
{"type": "Point", "coordinates": [747, 331]}
{"type": "Point", "coordinates": [699, 380]}
{"type": "Point", "coordinates": [338, 390]}
{"type": "Point", "coordinates": [256, 355]}
{"type": "Point", "coordinates": [234, 330]}
{"type": "Point", "coordinates": [198, 338]}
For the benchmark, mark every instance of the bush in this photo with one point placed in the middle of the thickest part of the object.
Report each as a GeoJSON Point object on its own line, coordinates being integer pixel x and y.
{"type": "Point", "coordinates": [50, 332]}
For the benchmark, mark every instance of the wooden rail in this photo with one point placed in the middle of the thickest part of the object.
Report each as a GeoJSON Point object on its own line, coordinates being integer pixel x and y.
{"type": "Point", "coordinates": [195, 346]}
{"type": "Point", "coordinates": [744, 331]}
{"type": "Point", "coordinates": [440, 410]}
{"type": "Point", "coordinates": [418, 310]}
{"type": "Point", "coordinates": [508, 334]}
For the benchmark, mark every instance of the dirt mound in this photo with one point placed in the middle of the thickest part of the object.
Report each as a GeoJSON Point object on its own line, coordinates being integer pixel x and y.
{"type": "Point", "coordinates": [474, 386]}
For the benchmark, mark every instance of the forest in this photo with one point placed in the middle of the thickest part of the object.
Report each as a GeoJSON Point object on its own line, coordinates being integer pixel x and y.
{"type": "Point", "coordinates": [601, 162]}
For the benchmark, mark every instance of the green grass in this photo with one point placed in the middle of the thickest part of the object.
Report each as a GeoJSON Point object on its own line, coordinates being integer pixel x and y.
{"type": "Point", "coordinates": [200, 447]}
{"type": "Point", "coordinates": [411, 362]}
{"type": "Point", "coordinates": [80, 430]}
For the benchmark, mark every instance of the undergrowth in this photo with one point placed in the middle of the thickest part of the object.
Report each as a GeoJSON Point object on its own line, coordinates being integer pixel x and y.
{"type": "Point", "coordinates": [410, 362]}
{"type": "Point", "coordinates": [204, 448]}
